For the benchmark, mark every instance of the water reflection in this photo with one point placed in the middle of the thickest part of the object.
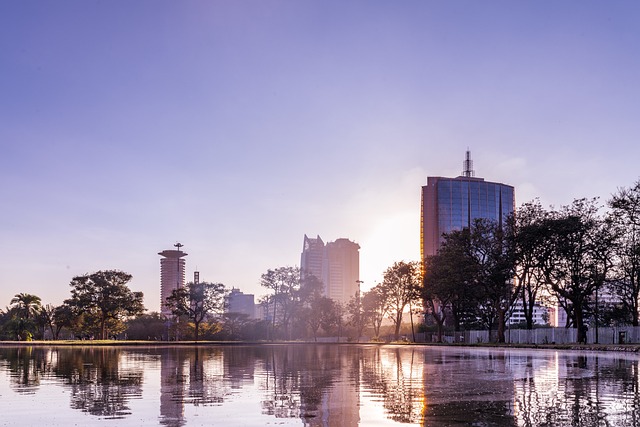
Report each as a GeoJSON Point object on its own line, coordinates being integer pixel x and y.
{"type": "Point", "coordinates": [319, 385]}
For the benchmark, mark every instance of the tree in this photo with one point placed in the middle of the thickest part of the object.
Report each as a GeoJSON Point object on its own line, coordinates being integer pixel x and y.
{"type": "Point", "coordinates": [448, 281]}
{"type": "Point", "coordinates": [314, 313]}
{"type": "Point", "coordinates": [625, 220]}
{"type": "Point", "coordinates": [401, 285]}
{"type": "Point", "coordinates": [197, 301]}
{"type": "Point", "coordinates": [531, 251]}
{"type": "Point", "coordinates": [25, 309]}
{"type": "Point", "coordinates": [65, 316]}
{"type": "Point", "coordinates": [45, 319]}
{"type": "Point", "coordinates": [358, 317]}
{"type": "Point", "coordinates": [580, 259]}
{"type": "Point", "coordinates": [493, 253]}
{"type": "Point", "coordinates": [104, 298]}
{"type": "Point", "coordinates": [235, 326]}
{"type": "Point", "coordinates": [375, 307]}
{"type": "Point", "coordinates": [151, 326]}
{"type": "Point", "coordinates": [291, 290]}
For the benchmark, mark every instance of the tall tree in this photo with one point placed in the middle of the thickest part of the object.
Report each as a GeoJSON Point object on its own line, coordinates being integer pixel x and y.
{"type": "Point", "coordinates": [402, 284]}
{"type": "Point", "coordinates": [289, 296]}
{"type": "Point", "coordinates": [492, 251]}
{"type": "Point", "coordinates": [357, 316]}
{"type": "Point", "coordinates": [448, 281]}
{"type": "Point", "coordinates": [625, 219]}
{"type": "Point", "coordinates": [105, 297]}
{"type": "Point", "coordinates": [581, 257]}
{"type": "Point", "coordinates": [375, 307]}
{"type": "Point", "coordinates": [531, 250]}
{"type": "Point", "coordinates": [197, 301]}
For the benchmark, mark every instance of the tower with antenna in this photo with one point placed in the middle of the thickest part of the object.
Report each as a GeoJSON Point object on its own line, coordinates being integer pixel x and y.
{"type": "Point", "coordinates": [172, 274]}
{"type": "Point", "coordinates": [450, 204]}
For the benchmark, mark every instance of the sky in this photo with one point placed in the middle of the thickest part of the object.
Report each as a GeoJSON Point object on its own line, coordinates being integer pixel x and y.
{"type": "Point", "coordinates": [237, 127]}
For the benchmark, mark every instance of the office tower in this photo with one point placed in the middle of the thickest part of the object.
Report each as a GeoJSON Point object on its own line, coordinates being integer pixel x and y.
{"type": "Point", "coordinates": [454, 203]}
{"type": "Point", "coordinates": [312, 256]}
{"type": "Point", "coordinates": [172, 271]}
{"type": "Point", "coordinates": [336, 264]}
{"type": "Point", "coordinates": [341, 270]}
{"type": "Point", "coordinates": [239, 302]}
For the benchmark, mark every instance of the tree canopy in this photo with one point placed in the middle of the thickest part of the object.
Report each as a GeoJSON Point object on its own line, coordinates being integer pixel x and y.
{"type": "Point", "coordinates": [104, 298]}
{"type": "Point", "coordinates": [197, 301]}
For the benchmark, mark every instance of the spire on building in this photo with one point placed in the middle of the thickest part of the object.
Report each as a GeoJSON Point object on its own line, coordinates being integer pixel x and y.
{"type": "Point", "coordinates": [467, 166]}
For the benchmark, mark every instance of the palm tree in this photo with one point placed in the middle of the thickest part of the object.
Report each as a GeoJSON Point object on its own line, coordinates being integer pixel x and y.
{"type": "Point", "coordinates": [27, 306]}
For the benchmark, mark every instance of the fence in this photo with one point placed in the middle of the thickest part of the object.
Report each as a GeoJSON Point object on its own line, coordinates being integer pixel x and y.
{"type": "Point", "coordinates": [615, 335]}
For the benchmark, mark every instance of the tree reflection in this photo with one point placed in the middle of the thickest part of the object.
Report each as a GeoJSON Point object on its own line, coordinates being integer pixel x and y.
{"type": "Point", "coordinates": [584, 390]}
{"type": "Point", "coordinates": [99, 385]}
{"type": "Point", "coordinates": [396, 376]}
{"type": "Point", "coordinates": [468, 388]}
{"type": "Point", "coordinates": [28, 365]}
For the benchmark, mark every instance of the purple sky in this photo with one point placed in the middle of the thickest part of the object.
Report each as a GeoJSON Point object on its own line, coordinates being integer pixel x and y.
{"type": "Point", "coordinates": [235, 127]}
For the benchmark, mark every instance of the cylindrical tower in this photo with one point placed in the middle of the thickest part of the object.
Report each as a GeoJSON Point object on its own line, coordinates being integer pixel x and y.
{"type": "Point", "coordinates": [172, 274]}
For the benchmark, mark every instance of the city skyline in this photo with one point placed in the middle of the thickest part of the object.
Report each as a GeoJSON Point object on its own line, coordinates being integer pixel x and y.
{"type": "Point", "coordinates": [235, 127]}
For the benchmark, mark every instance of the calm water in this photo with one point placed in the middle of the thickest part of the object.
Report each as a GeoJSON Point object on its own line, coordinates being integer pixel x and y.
{"type": "Point", "coordinates": [316, 385]}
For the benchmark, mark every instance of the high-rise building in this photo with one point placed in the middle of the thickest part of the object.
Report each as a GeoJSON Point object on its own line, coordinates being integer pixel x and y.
{"type": "Point", "coordinates": [172, 274]}
{"type": "Point", "coordinates": [312, 256]}
{"type": "Point", "coordinates": [341, 270]}
{"type": "Point", "coordinates": [454, 203]}
{"type": "Point", "coordinates": [336, 264]}
{"type": "Point", "coordinates": [239, 302]}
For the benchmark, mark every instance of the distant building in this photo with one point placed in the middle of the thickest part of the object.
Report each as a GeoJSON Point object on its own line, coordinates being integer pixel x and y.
{"type": "Point", "coordinates": [454, 203]}
{"type": "Point", "coordinates": [312, 256]}
{"type": "Point", "coordinates": [172, 274]}
{"type": "Point", "coordinates": [238, 302]}
{"type": "Point", "coordinates": [541, 315]}
{"type": "Point", "coordinates": [336, 265]}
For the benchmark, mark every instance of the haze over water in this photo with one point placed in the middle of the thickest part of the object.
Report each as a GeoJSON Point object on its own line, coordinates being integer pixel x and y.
{"type": "Point", "coordinates": [315, 385]}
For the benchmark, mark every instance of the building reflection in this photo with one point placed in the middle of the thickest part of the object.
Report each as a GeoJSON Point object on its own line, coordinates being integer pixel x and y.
{"type": "Point", "coordinates": [345, 385]}
{"type": "Point", "coordinates": [318, 384]}
{"type": "Point", "coordinates": [172, 386]}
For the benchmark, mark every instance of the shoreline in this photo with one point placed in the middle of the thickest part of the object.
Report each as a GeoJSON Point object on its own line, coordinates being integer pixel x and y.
{"type": "Point", "coordinates": [628, 348]}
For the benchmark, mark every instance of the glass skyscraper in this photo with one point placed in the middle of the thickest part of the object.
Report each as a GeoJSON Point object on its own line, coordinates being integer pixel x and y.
{"type": "Point", "coordinates": [454, 203]}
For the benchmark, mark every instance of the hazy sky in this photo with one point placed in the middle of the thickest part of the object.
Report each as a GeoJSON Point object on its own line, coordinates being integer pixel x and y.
{"type": "Point", "coordinates": [235, 127]}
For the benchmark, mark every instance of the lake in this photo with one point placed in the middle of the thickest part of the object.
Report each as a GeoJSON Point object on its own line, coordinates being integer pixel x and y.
{"type": "Point", "coordinates": [316, 385]}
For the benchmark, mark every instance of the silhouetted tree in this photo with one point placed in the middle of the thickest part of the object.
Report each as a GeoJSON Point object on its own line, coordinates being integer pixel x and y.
{"type": "Point", "coordinates": [581, 257]}
{"type": "Point", "coordinates": [401, 285]}
{"type": "Point", "coordinates": [531, 250]}
{"type": "Point", "coordinates": [375, 307]}
{"type": "Point", "coordinates": [625, 220]}
{"type": "Point", "coordinates": [493, 255]}
{"type": "Point", "coordinates": [448, 280]}
{"type": "Point", "coordinates": [197, 301]}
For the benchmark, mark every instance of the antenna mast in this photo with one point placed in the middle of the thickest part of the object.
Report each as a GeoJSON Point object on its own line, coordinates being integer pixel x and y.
{"type": "Point", "coordinates": [467, 166]}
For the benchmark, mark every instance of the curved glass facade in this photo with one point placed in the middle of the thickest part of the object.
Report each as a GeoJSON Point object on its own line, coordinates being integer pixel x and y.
{"type": "Point", "coordinates": [454, 203]}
